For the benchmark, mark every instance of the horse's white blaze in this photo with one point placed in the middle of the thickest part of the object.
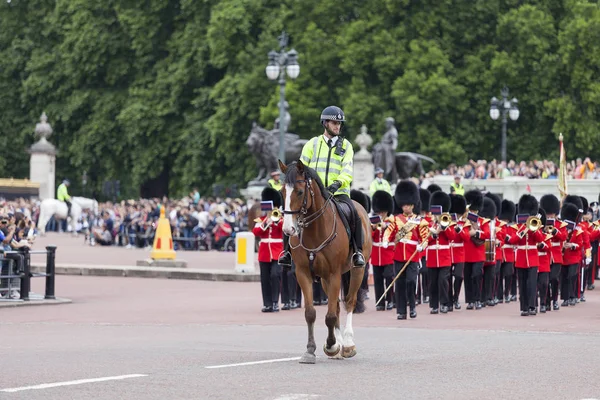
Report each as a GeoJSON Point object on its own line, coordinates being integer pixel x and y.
{"type": "Point", "coordinates": [348, 332]}
{"type": "Point", "coordinates": [288, 221]}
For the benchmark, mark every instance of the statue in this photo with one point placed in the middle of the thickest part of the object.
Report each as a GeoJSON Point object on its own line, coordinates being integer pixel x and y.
{"type": "Point", "coordinates": [287, 119]}
{"type": "Point", "coordinates": [396, 165]}
{"type": "Point", "coordinates": [363, 140]}
{"type": "Point", "coordinates": [264, 145]}
{"type": "Point", "coordinates": [386, 150]}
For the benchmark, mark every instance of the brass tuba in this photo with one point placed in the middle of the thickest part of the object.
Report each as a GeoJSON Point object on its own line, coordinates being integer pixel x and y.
{"type": "Point", "coordinates": [534, 223]}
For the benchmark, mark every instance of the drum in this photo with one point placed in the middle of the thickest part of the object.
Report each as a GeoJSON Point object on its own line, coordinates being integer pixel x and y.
{"type": "Point", "coordinates": [490, 250]}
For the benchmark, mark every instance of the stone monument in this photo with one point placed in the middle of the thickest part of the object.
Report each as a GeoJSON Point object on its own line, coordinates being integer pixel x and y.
{"type": "Point", "coordinates": [363, 164]}
{"type": "Point", "coordinates": [384, 152]}
{"type": "Point", "coordinates": [43, 160]}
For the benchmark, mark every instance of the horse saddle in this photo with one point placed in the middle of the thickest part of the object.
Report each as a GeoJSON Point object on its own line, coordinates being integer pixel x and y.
{"type": "Point", "coordinates": [345, 212]}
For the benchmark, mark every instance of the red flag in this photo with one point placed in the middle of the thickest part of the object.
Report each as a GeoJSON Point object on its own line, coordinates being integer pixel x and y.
{"type": "Point", "coordinates": [528, 188]}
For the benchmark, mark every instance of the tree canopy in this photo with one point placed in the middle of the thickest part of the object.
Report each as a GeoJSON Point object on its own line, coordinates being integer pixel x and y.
{"type": "Point", "coordinates": [165, 91]}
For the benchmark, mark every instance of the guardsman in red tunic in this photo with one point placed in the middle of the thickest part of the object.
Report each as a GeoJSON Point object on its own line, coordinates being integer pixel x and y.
{"type": "Point", "coordinates": [479, 231]}
{"type": "Point", "coordinates": [458, 210]}
{"type": "Point", "coordinates": [489, 212]}
{"type": "Point", "coordinates": [572, 254]}
{"type": "Point", "coordinates": [422, 210]}
{"type": "Point", "coordinates": [507, 251]}
{"type": "Point", "coordinates": [544, 255]}
{"type": "Point", "coordinates": [587, 247]}
{"type": "Point", "coordinates": [499, 237]}
{"type": "Point", "coordinates": [578, 201]}
{"type": "Point", "coordinates": [439, 259]}
{"type": "Point", "coordinates": [527, 260]}
{"type": "Point", "coordinates": [382, 258]}
{"type": "Point", "coordinates": [409, 234]}
{"type": "Point", "coordinates": [551, 205]}
{"type": "Point", "coordinates": [270, 232]}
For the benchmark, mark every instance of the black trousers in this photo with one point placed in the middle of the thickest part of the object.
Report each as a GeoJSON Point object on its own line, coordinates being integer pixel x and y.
{"type": "Point", "coordinates": [438, 286]}
{"type": "Point", "coordinates": [504, 279]}
{"type": "Point", "coordinates": [358, 232]}
{"type": "Point", "coordinates": [458, 272]}
{"type": "Point", "coordinates": [270, 281]}
{"type": "Point", "coordinates": [290, 289]}
{"type": "Point", "coordinates": [554, 282]}
{"type": "Point", "coordinates": [383, 275]}
{"type": "Point", "coordinates": [473, 280]}
{"type": "Point", "coordinates": [489, 274]}
{"type": "Point", "coordinates": [513, 283]}
{"type": "Point", "coordinates": [423, 281]}
{"type": "Point", "coordinates": [543, 279]}
{"type": "Point", "coordinates": [568, 278]}
{"type": "Point", "coordinates": [406, 285]}
{"type": "Point", "coordinates": [527, 287]}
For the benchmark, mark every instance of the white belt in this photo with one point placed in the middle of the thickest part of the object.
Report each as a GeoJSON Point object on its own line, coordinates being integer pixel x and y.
{"type": "Point", "coordinates": [439, 247]}
{"type": "Point", "coordinates": [271, 240]}
{"type": "Point", "coordinates": [542, 253]}
{"type": "Point", "coordinates": [526, 247]}
{"type": "Point", "coordinates": [378, 244]}
{"type": "Point", "coordinates": [508, 246]}
{"type": "Point", "coordinates": [457, 244]}
{"type": "Point", "coordinates": [406, 241]}
{"type": "Point", "coordinates": [555, 244]}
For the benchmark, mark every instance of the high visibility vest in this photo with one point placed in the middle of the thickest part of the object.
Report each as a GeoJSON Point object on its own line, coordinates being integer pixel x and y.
{"type": "Point", "coordinates": [61, 193]}
{"type": "Point", "coordinates": [330, 165]}
{"type": "Point", "coordinates": [383, 185]}
{"type": "Point", "coordinates": [458, 189]}
{"type": "Point", "coordinates": [275, 185]}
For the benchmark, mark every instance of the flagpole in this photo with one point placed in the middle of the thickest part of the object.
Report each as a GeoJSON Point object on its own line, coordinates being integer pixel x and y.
{"type": "Point", "coordinates": [562, 170]}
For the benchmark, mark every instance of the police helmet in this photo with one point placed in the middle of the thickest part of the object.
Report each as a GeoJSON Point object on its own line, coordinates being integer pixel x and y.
{"type": "Point", "coordinates": [332, 113]}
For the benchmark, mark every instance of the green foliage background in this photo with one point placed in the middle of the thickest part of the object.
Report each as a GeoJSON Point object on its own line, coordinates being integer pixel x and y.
{"type": "Point", "coordinates": [143, 89]}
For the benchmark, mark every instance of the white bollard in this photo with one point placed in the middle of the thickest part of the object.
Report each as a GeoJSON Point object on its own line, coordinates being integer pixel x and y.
{"type": "Point", "coordinates": [244, 252]}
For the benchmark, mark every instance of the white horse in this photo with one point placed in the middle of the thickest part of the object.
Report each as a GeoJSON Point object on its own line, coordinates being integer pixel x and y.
{"type": "Point", "coordinates": [57, 208]}
{"type": "Point", "coordinates": [86, 204]}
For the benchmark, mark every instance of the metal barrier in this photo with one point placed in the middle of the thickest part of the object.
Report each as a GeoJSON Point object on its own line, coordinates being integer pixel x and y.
{"type": "Point", "coordinates": [21, 260]}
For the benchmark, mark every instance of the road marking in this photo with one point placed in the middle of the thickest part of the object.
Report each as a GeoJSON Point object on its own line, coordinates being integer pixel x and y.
{"type": "Point", "coordinates": [297, 396]}
{"type": "Point", "coordinates": [69, 383]}
{"type": "Point", "coordinates": [253, 363]}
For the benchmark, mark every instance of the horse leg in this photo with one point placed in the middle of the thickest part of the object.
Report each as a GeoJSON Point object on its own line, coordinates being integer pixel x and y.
{"type": "Point", "coordinates": [310, 314]}
{"type": "Point", "coordinates": [356, 278]}
{"type": "Point", "coordinates": [332, 347]}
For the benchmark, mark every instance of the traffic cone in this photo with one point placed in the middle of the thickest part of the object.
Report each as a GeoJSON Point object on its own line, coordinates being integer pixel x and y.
{"type": "Point", "coordinates": [162, 249]}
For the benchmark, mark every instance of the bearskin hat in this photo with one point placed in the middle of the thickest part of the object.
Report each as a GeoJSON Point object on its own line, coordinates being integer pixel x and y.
{"type": "Point", "coordinates": [270, 194]}
{"type": "Point", "coordinates": [416, 208]}
{"type": "Point", "coordinates": [361, 199]}
{"type": "Point", "coordinates": [474, 200]}
{"type": "Point", "coordinates": [440, 198]}
{"type": "Point", "coordinates": [382, 201]}
{"type": "Point", "coordinates": [508, 211]}
{"type": "Point", "coordinates": [425, 196]}
{"type": "Point", "coordinates": [497, 202]}
{"type": "Point", "coordinates": [573, 199]}
{"type": "Point", "coordinates": [434, 188]}
{"type": "Point", "coordinates": [489, 208]}
{"type": "Point", "coordinates": [528, 205]}
{"type": "Point", "coordinates": [569, 212]}
{"type": "Point", "coordinates": [585, 204]}
{"type": "Point", "coordinates": [550, 204]}
{"type": "Point", "coordinates": [458, 204]}
{"type": "Point", "coordinates": [543, 217]}
{"type": "Point", "coordinates": [406, 193]}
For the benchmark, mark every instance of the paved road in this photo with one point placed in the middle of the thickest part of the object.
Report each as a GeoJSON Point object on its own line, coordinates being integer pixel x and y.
{"type": "Point", "coordinates": [154, 339]}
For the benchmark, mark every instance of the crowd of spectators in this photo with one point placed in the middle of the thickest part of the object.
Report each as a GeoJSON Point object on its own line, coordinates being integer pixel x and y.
{"type": "Point", "coordinates": [536, 169]}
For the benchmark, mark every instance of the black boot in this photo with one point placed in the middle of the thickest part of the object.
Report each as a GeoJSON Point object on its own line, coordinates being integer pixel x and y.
{"type": "Point", "coordinates": [285, 260]}
{"type": "Point", "coordinates": [358, 260]}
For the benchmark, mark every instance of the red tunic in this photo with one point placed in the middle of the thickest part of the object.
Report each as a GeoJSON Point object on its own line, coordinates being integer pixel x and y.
{"type": "Point", "coordinates": [381, 256]}
{"type": "Point", "coordinates": [500, 227]}
{"type": "Point", "coordinates": [573, 256]}
{"type": "Point", "coordinates": [271, 240]}
{"type": "Point", "coordinates": [405, 248]}
{"type": "Point", "coordinates": [526, 247]}
{"type": "Point", "coordinates": [544, 255]}
{"type": "Point", "coordinates": [438, 251]}
{"type": "Point", "coordinates": [508, 250]}
{"type": "Point", "coordinates": [457, 245]}
{"type": "Point", "coordinates": [476, 253]}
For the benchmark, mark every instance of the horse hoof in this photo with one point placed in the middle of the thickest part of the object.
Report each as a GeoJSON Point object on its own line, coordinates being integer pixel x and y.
{"type": "Point", "coordinates": [332, 352]}
{"type": "Point", "coordinates": [308, 358]}
{"type": "Point", "coordinates": [349, 352]}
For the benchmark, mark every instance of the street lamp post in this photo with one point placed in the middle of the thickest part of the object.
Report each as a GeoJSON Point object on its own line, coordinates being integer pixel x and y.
{"type": "Point", "coordinates": [505, 107]}
{"type": "Point", "coordinates": [280, 63]}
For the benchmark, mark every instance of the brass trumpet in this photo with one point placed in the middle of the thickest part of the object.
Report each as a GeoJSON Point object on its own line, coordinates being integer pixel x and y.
{"type": "Point", "coordinates": [533, 223]}
{"type": "Point", "coordinates": [445, 220]}
{"type": "Point", "coordinates": [275, 215]}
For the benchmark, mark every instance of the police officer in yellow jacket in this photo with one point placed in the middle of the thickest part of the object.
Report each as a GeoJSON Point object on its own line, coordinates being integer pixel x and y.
{"type": "Point", "coordinates": [330, 155]}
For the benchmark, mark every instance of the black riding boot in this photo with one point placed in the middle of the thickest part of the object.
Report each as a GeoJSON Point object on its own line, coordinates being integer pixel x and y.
{"type": "Point", "coordinates": [286, 257]}
{"type": "Point", "coordinates": [68, 209]}
{"type": "Point", "coordinates": [357, 258]}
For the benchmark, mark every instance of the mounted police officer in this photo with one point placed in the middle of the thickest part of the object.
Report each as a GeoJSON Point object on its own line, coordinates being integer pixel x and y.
{"type": "Point", "coordinates": [331, 157]}
{"type": "Point", "coordinates": [63, 195]}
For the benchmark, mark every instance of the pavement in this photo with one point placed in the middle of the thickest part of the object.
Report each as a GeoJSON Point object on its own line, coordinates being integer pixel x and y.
{"type": "Point", "coordinates": [182, 339]}
{"type": "Point", "coordinates": [74, 257]}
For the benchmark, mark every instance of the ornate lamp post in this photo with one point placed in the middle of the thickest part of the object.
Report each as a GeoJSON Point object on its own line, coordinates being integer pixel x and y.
{"type": "Point", "coordinates": [280, 63]}
{"type": "Point", "coordinates": [504, 106]}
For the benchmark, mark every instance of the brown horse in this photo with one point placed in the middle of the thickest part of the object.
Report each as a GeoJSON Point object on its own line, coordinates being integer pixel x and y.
{"type": "Point", "coordinates": [320, 247]}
